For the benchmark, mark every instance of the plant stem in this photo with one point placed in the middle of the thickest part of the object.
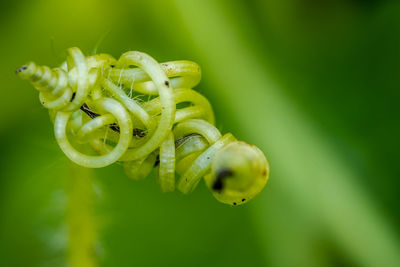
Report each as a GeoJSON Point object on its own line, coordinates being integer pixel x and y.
{"type": "Point", "coordinates": [80, 217]}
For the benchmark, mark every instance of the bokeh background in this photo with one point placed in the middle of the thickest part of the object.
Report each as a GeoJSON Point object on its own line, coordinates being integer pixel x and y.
{"type": "Point", "coordinates": [314, 84]}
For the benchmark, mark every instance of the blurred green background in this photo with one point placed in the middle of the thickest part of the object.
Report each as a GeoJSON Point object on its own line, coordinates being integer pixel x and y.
{"type": "Point", "coordinates": [313, 83]}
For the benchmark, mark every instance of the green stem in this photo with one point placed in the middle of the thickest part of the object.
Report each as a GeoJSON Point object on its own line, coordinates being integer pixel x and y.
{"type": "Point", "coordinates": [80, 217]}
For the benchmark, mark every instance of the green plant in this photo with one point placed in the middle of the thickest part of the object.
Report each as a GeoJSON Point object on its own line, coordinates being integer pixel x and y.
{"type": "Point", "coordinates": [145, 114]}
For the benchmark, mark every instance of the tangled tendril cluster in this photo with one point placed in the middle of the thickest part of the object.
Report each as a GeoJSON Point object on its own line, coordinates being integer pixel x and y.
{"type": "Point", "coordinates": [145, 114]}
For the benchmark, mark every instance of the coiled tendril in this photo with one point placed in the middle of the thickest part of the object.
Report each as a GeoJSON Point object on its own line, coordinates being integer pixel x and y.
{"type": "Point", "coordinates": [146, 115]}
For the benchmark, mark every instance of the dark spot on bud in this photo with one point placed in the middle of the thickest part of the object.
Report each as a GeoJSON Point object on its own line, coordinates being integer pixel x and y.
{"type": "Point", "coordinates": [112, 66]}
{"type": "Point", "coordinates": [224, 173]}
{"type": "Point", "coordinates": [220, 178]}
{"type": "Point", "coordinates": [217, 186]}
{"type": "Point", "coordinates": [243, 200]}
{"type": "Point", "coordinates": [166, 83]}
{"type": "Point", "coordinates": [264, 173]}
{"type": "Point", "coordinates": [234, 203]}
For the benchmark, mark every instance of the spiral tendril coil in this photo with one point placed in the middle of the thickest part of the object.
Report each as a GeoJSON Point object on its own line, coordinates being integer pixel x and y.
{"type": "Point", "coordinates": [145, 114]}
